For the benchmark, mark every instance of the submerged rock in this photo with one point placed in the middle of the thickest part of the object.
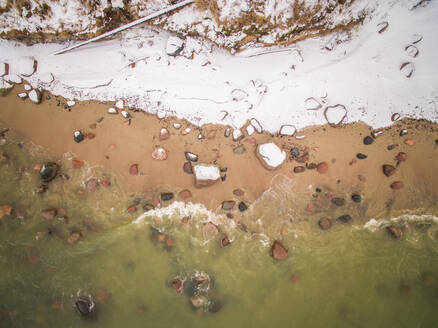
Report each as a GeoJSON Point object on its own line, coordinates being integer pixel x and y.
{"type": "Point", "coordinates": [278, 251]}
{"type": "Point", "coordinates": [133, 169]}
{"type": "Point", "coordinates": [325, 223]}
{"type": "Point", "coordinates": [48, 171]}
{"type": "Point", "coordinates": [210, 230]}
{"type": "Point", "coordinates": [344, 218]}
{"type": "Point", "coordinates": [394, 231]}
{"type": "Point", "coordinates": [177, 285]}
{"type": "Point", "coordinates": [74, 237]}
{"type": "Point", "coordinates": [396, 185]}
{"type": "Point", "coordinates": [49, 214]}
{"type": "Point", "coordinates": [224, 242]}
{"type": "Point", "coordinates": [86, 307]}
{"type": "Point", "coordinates": [199, 301]}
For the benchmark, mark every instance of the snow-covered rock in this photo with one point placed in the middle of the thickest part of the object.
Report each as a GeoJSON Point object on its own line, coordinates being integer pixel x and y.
{"type": "Point", "coordinates": [270, 155]}
{"type": "Point", "coordinates": [13, 78]}
{"type": "Point", "coordinates": [287, 130]}
{"type": "Point", "coordinates": [177, 126]}
{"type": "Point", "coordinates": [250, 130]}
{"type": "Point", "coordinates": [120, 104]}
{"type": "Point", "coordinates": [35, 96]}
{"type": "Point", "coordinates": [4, 68]}
{"type": "Point", "coordinates": [71, 103]}
{"type": "Point", "coordinates": [164, 134]}
{"type": "Point", "coordinates": [26, 66]}
{"type": "Point", "coordinates": [22, 95]}
{"type": "Point", "coordinates": [237, 135]}
{"type": "Point", "coordinates": [5, 85]}
{"type": "Point", "coordinates": [125, 114]}
{"type": "Point", "coordinates": [174, 46]}
{"type": "Point", "coordinates": [206, 174]}
{"type": "Point", "coordinates": [27, 87]}
{"type": "Point", "coordinates": [312, 104]}
{"type": "Point", "coordinates": [112, 110]}
{"type": "Point", "coordinates": [335, 115]}
{"type": "Point", "coordinates": [256, 125]}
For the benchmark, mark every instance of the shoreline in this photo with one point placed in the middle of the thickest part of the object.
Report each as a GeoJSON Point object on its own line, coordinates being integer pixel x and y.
{"type": "Point", "coordinates": [117, 145]}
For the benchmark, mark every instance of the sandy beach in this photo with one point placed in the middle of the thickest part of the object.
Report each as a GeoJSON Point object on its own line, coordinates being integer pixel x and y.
{"type": "Point", "coordinates": [117, 144]}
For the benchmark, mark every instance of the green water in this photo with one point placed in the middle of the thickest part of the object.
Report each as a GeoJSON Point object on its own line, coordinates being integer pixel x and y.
{"type": "Point", "coordinates": [347, 276]}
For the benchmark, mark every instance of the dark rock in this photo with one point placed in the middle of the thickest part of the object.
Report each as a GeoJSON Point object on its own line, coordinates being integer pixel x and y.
{"type": "Point", "coordinates": [224, 242]}
{"type": "Point", "coordinates": [356, 198]}
{"type": "Point", "coordinates": [391, 147]}
{"type": "Point", "coordinates": [165, 196]}
{"type": "Point", "coordinates": [228, 205]}
{"type": "Point", "coordinates": [224, 169]}
{"type": "Point", "coordinates": [401, 157]}
{"type": "Point", "coordinates": [48, 172]}
{"type": "Point", "coordinates": [86, 307]}
{"type": "Point", "coordinates": [294, 152]}
{"type": "Point", "coordinates": [436, 142]}
{"type": "Point", "coordinates": [394, 231]}
{"type": "Point", "coordinates": [403, 132]}
{"type": "Point", "coordinates": [324, 223]}
{"type": "Point", "coordinates": [299, 169]}
{"type": "Point", "coordinates": [338, 201]}
{"type": "Point", "coordinates": [78, 136]}
{"type": "Point", "coordinates": [191, 157]}
{"type": "Point", "coordinates": [224, 177]}
{"type": "Point", "coordinates": [199, 301]}
{"type": "Point", "coordinates": [388, 170]}
{"type": "Point", "coordinates": [278, 251]}
{"type": "Point", "coordinates": [49, 214]}
{"type": "Point", "coordinates": [133, 169]}
{"type": "Point", "coordinates": [361, 156]}
{"type": "Point", "coordinates": [344, 218]}
{"type": "Point", "coordinates": [311, 166]}
{"type": "Point", "coordinates": [368, 140]}
{"type": "Point", "coordinates": [242, 207]}
{"type": "Point", "coordinates": [4, 157]}
{"type": "Point", "coordinates": [318, 189]}
{"type": "Point", "coordinates": [396, 185]}
{"type": "Point", "coordinates": [188, 168]}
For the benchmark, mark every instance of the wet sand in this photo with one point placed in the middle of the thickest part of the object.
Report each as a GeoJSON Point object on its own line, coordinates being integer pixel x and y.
{"type": "Point", "coordinates": [117, 145]}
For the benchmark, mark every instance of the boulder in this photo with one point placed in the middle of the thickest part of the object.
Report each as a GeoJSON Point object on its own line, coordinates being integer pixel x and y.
{"type": "Point", "coordinates": [299, 169]}
{"type": "Point", "coordinates": [401, 157]}
{"type": "Point", "coordinates": [48, 171]}
{"type": "Point", "coordinates": [228, 205]}
{"type": "Point", "coordinates": [270, 155]}
{"type": "Point", "coordinates": [165, 196]}
{"type": "Point", "coordinates": [174, 46]}
{"type": "Point", "coordinates": [368, 140]}
{"type": "Point", "coordinates": [278, 251]}
{"type": "Point", "coordinates": [344, 218]}
{"type": "Point", "coordinates": [206, 174]}
{"type": "Point", "coordinates": [388, 170]}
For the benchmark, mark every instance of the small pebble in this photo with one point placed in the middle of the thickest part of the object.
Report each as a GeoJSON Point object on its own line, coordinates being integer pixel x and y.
{"type": "Point", "coordinates": [361, 156]}
{"type": "Point", "coordinates": [368, 140]}
{"type": "Point", "coordinates": [356, 198]}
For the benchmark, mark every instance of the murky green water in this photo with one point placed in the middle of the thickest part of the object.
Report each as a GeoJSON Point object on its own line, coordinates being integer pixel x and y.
{"type": "Point", "coordinates": [348, 276]}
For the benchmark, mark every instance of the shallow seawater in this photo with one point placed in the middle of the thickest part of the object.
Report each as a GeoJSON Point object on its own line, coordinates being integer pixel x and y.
{"type": "Point", "coordinates": [348, 276]}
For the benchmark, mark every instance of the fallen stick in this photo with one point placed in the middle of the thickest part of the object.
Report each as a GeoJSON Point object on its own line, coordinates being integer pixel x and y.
{"type": "Point", "coordinates": [125, 27]}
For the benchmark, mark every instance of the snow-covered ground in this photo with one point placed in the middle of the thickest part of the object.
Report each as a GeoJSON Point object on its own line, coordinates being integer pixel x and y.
{"type": "Point", "coordinates": [274, 86]}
